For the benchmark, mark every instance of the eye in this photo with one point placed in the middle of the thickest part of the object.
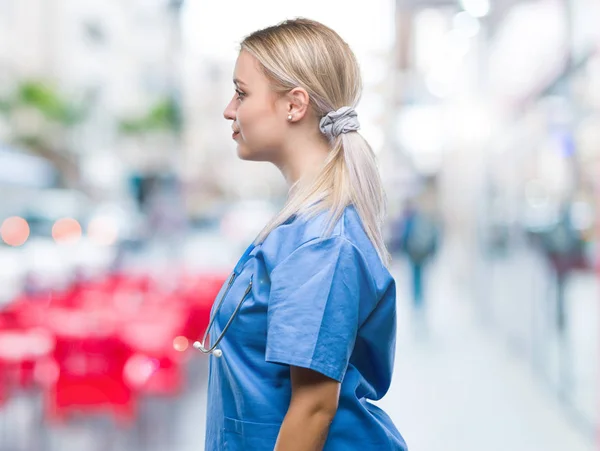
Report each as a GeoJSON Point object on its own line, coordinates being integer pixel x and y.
{"type": "Point", "coordinates": [240, 94]}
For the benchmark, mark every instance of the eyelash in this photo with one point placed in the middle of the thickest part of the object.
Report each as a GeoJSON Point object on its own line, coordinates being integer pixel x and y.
{"type": "Point", "coordinates": [240, 94]}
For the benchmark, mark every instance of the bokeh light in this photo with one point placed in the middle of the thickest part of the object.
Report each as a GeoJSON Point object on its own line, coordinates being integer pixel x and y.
{"type": "Point", "coordinates": [139, 369]}
{"type": "Point", "coordinates": [476, 8]}
{"type": "Point", "coordinates": [66, 230]}
{"type": "Point", "coordinates": [14, 231]}
{"type": "Point", "coordinates": [102, 231]}
{"type": "Point", "coordinates": [180, 343]}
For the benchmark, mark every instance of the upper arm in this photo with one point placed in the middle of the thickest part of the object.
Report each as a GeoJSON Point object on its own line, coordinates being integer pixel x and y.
{"type": "Point", "coordinates": [312, 392]}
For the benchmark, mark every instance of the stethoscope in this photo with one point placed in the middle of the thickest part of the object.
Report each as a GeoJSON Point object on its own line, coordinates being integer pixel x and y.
{"type": "Point", "coordinates": [201, 345]}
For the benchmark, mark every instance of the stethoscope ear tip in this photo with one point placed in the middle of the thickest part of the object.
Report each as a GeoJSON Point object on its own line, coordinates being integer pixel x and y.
{"type": "Point", "coordinates": [216, 352]}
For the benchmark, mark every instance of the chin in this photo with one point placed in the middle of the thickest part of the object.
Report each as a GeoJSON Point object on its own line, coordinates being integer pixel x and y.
{"type": "Point", "coordinates": [247, 154]}
{"type": "Point", "coordinates": [244, 153]}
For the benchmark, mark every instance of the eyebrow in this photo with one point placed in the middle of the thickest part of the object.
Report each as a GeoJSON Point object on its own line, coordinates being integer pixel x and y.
{"type": "Point", "coordinates": [237, 81]}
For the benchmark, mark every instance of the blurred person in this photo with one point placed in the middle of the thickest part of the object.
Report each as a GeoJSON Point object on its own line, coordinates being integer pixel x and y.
{"type": "Point", "coordinates": [302, 336]}
{"type": "Point", "coordinates": [420, 241]}
{"type": "Point", "coordinates": [563, 245]}
{"type": "Point", "coordinates": [564, 248]}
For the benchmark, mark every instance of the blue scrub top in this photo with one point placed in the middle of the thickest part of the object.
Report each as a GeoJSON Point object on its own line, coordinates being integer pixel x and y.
{"type": "Point", "coordinates": [327, 304]}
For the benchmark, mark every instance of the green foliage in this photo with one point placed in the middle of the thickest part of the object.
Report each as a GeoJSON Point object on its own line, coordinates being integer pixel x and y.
{"type": "Point", "coordinates": [46, 100]}
{"type": "Point", "coordinates": [49, 102]}
{"type": "Point", "coordinates": [163, 116]}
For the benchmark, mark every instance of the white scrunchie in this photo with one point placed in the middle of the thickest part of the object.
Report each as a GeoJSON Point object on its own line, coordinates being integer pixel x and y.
{"type": "Point", "coordinates": [341, 121]}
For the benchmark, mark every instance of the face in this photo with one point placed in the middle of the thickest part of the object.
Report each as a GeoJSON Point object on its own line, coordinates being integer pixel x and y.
{"type": "Point", "coordinates": [257, 112]}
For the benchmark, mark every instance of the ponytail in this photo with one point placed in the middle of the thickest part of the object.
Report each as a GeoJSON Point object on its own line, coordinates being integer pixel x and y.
{"type": "Point", "coordinates": [366, 189]}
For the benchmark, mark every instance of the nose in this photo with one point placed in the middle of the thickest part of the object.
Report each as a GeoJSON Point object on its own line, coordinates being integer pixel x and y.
{"type": "Point", "coordinates": [229, 112]}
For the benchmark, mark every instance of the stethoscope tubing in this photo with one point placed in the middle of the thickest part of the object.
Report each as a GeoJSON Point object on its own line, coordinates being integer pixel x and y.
{"type": "Point", "coordinates": [200, 345]}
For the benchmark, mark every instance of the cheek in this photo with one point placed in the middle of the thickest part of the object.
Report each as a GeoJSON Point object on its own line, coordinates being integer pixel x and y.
{"type": "Point", "coordinates": [257, 123]}
{"type": "Point", "coordinates": [245, 120]}
{"type": "Point", "coordinates": [247, 114]}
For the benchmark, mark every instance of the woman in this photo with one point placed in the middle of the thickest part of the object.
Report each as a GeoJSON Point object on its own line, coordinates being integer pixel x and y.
{"type": "Point", "coordinates": [303, 334]}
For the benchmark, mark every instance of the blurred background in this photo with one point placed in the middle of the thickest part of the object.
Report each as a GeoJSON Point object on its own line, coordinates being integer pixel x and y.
{"type": "Point", "coordinates": [123, 207]}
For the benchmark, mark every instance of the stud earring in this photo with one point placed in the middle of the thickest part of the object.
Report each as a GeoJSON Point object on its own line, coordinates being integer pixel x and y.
{"type": "Point", "coordinates": [289, 117]}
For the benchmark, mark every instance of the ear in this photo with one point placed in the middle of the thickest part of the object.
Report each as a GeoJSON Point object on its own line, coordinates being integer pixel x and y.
{"type": "Point", "coordinates": [297, 103]}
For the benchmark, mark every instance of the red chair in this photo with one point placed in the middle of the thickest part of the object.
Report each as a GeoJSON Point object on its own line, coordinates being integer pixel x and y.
{"type": "Point", "coordinates": [90, 364]}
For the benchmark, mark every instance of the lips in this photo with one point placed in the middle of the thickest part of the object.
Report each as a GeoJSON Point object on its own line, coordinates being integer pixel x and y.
{"type": "Point", "coordinates": [235, 134]}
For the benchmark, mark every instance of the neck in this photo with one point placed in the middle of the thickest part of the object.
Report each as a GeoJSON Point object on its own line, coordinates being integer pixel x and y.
{"type": "Point", "coordinates": [304, 160]}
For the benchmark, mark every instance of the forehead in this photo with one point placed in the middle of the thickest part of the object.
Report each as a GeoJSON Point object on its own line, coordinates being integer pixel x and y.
{"type": "Point", "coordinates": [247, 69]}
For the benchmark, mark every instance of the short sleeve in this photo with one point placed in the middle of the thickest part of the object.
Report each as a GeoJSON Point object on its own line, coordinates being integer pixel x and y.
{"type": "Point", "coordinates": [314, 305]}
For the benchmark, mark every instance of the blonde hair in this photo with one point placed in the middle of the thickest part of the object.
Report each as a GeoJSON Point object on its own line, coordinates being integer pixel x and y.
{"type": "Point", "coordinates": [306, 53]}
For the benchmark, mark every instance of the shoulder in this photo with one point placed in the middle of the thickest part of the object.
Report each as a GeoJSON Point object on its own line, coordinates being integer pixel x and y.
{"type": "Point", "coordinates": [297, 232]}
{"type": "Point", "coordinates": [302, 230]}
{"type": "Point", "coordinates": [347, 243]}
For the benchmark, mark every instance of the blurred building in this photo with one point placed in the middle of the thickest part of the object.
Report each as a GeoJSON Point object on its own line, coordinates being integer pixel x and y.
{"type": "Point", "coordinates": [498, 104]}
{"type": "Point", "coordinates": [119, 59]}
